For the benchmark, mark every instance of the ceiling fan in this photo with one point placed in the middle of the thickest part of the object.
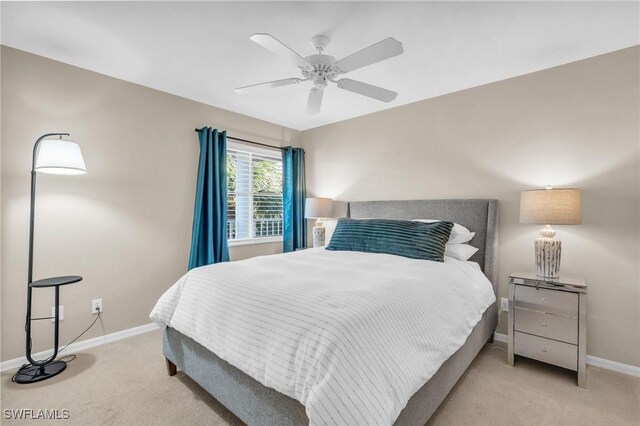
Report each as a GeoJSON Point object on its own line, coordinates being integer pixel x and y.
{"type": "Point", "coordinates": [322, 68]}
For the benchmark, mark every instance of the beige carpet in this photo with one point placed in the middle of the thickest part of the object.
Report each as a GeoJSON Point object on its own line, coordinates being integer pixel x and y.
{"type": "Point", "coordinates": [125, 383]}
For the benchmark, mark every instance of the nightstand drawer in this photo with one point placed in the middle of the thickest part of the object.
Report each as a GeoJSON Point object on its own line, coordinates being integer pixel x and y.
{"type": "Point", "coordinates": [546, 350]}
{"type": "Point", "coordinates": [550, 301]}
{"type": "Point", "coordinates": [546, 325]}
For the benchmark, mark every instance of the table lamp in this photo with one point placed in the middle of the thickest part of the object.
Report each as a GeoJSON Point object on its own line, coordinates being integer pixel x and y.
{"type": "Point", "coordinates": [550, 206]}
{"type": "Point", "coordinates": [55, 156]}
{"type": "Point", "coordinates": [318, 208]}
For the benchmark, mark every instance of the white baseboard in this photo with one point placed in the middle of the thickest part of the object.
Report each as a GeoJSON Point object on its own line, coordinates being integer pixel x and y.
{"type": "Point", "coordinates": [613, 366]}
{"type": "Point", "coordinates": [82, 345]}
{"type": "Point", "coordinates": [499, 337]}
{"type": "Point", "coordinates": [595, 361]}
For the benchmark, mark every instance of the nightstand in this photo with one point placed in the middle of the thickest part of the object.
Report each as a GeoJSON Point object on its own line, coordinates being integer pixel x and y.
{"type": "Point", "coordinates": [548, 321]}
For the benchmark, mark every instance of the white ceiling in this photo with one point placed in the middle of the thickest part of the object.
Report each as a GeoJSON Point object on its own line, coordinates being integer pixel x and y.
{"type": "Point", "coordinates": [202, 51]}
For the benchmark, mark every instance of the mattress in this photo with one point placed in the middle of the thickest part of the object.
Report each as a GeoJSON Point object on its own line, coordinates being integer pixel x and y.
{"type": "Point", "coordinates": [351, 336]}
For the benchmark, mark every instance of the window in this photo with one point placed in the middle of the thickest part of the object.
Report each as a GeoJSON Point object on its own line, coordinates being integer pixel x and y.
{"type": "Point", "coordinates": [254, 193]}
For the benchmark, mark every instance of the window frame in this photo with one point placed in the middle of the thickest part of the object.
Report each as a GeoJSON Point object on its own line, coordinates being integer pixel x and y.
{"type": "Point", "coordinates": [274, 153]}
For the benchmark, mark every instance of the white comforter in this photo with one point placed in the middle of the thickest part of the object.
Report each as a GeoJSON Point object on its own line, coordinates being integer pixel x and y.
{"type": "Point", "coordinates": [350, 335]}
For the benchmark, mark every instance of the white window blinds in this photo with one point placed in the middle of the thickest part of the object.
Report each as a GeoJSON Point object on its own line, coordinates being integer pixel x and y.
{"type": "Point", "coordinates": [254, 193]}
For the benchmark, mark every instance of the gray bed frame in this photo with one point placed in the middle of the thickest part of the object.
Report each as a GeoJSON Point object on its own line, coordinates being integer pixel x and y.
{"type": "Point", "coordinates": [255, 404]}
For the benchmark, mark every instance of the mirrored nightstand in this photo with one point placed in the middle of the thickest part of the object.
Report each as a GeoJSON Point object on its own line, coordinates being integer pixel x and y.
{"type": "Point", "coordinates": [548, 321]}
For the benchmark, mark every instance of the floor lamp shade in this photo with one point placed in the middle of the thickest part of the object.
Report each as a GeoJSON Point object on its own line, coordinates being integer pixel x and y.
{"type": "Point", "coordinates": [551, 206]}
{"type": "Point", "coordinates": [59, 156]}
{"type": "Point", "coordinates": [318, 208]}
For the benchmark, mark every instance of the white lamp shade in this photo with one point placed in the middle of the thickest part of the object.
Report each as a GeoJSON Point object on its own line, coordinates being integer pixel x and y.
{"type": "Point", "coordinates": [60, 157]}
{"type": "Point", "coordinates": [317, 208]}
{"type": "Point", "coordinates": [556, 206]}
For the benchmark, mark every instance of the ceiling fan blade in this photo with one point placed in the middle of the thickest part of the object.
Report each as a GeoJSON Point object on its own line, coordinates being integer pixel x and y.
{"type": "Point", "coordinates": [267, 85]}
{"type": "Point", "coordinates": [385, 49]}
{"type": "Point", "coordinates": [271, 43]}
{"type": "Point", "coordinates": [315, 100]}
{"type": "Point", "coordinates": [365, 89]}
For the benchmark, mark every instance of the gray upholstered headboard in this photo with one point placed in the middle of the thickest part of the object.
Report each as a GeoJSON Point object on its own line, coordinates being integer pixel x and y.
{"type": "Point", "coordinates": [479, 216]}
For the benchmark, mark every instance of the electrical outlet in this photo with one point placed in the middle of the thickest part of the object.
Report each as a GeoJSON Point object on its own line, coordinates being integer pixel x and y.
{"type": "Point", "coordinates": [96, 306]}
{"type": "Point", "coordinates": [60, 313]}
{"type": "Point", "coordinates": [504, 304]}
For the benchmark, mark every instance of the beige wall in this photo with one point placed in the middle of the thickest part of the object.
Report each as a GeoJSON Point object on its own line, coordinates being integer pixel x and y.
{"type": "Point", "coordinates": [126, 225]}
{"type": "Point", "coordinates": [574, 125]}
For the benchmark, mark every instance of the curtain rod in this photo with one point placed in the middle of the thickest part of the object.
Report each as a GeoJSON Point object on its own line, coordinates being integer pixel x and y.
{"type": "Point", "coordinates": [251, 142]}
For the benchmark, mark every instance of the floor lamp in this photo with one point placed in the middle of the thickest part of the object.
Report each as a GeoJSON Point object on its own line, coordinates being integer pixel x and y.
{"type": "Point", "coordinates": [56, 156]}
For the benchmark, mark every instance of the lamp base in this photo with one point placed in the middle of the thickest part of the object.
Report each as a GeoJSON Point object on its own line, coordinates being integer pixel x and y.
{"type": "Point", "coordinates": [35, 373]}
{"type": "Point", "coordinates": [548, 253]}
{"type": "Point", "coordinates": [318, 235]}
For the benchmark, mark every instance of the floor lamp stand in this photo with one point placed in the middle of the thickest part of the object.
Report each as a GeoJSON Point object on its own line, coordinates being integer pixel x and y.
{"type": "Point", "coordinates": [37, 371]}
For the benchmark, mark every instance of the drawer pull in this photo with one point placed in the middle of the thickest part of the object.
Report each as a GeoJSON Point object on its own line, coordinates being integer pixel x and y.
{"type": "Point", "coordinates": [544, 324]}
{"type": "Point", "coordinates": [544, 349]}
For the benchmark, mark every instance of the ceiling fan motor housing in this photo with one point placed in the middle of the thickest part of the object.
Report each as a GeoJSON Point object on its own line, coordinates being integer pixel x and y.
{"type": "Point", "coordinates": [322, 69]}
{"type": "Point", "coordinates": [319, 82]}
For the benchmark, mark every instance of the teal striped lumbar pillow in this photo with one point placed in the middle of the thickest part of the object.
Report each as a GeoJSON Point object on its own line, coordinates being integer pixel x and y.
{"type": "Point", "coordinates": [416, 240]}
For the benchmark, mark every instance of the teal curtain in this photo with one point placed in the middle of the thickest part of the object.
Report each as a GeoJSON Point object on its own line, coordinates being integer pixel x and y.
{"type": "Point", "coordinates": [294, 233]}
{"type": "Point", "coordinates": [209, 233]}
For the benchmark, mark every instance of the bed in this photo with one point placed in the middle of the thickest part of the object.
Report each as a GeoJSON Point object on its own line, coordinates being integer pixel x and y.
{"type": "Point", "coordinates": [254, 403]}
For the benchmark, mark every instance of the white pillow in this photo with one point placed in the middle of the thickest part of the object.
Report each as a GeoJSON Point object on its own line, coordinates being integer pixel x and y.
{"type": "Point", "coordinates": [459, 251]}
{"type": "Point", "coordinates": [459, 234]}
